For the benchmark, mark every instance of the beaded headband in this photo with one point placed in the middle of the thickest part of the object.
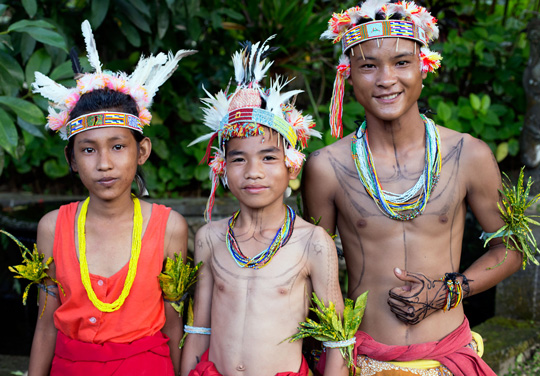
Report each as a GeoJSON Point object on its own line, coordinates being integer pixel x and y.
{"type": "Point", "coordinates": [149, 74]}
{"type": "Point", "coordinates": [376, 19]}
{"type": "Point", "coordinates": [241, 114]}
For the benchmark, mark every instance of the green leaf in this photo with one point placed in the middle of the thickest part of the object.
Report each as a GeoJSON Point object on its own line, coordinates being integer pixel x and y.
{"type": "Point", "coordinates": [129, 32]}
{"type": "Point", "coordinates": [10, 67]}
{"type": "Point", "coordinates": [444, 112]}
{"type": "Point", "coordinates": [485, 103]}
{"type": "Point", "coordinates": [45, 36]}
{"type": "Point", "coordinates": [2, 160]}
{"type": "Point", "coordinates": [30, 6]}
{"type": "Point", "coordinates": [201, 172]}
{"type": "Point", "coordinates": [513, 147]}
{"type": "Point", "coordinates": [40, 61]}
{"type": "Point", "coordinates": [62, 71]}
{"type": "Point", "coordinates": [159, 146]}
{"type": "Point", "coordinates": [17, 26]}
{"type": "Point", "coordinates": [136, 18]}
{"type": "Point", "coordinates": [466, 112]}
{"type": "Point", "coordinates": [26, 110]}
{"type": "Point", "coordinates": [30, 128]}
{"type": "Point", "coordinates": [502, 151]}
{"type": "Point", "coordinates": [475, 102]}
{"type": "Point", "coordinates": [98, 11]}
{"type": "Point", "coordinates": [491, 118]}
{"type": "Point", "coordinates": [8, 132]}
{"type": "Point", "coordinates": [55, 169]}
{"type": "Point", "coordinates": [162, 21]}
{"type": "Point", "coordinates": [28, 44]}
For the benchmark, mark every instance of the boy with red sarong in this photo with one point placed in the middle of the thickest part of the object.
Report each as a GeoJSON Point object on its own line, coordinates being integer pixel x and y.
{"type": "Point", "coordinates": [399, 196]}
{"type": "Point", "coordinates": [261, 265]}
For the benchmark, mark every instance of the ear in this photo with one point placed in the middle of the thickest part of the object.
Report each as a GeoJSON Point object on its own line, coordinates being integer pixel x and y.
{"type": "Point", "coordinates": [71, 161]}
{"type": "Point", "coordinates": [293, 172]}
{"type": "Point", "coordinates": [145, 148]}
{"type": "Point", "coordinates": [424, 75]}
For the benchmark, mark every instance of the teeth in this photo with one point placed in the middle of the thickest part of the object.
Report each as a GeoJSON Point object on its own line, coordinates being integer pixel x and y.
{"type": "Point", "coordinates": [389, 96]}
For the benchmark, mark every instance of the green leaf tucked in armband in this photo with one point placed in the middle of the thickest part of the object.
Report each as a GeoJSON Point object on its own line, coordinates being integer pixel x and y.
{"type": "Point", "coordinates": [176, 279]}
{"type": "Point", "coordinates": [516, 233]}
{"type": "Point", "coordinates": [32, 268]}
{"type": "Point", "coordinates": [331, 328]}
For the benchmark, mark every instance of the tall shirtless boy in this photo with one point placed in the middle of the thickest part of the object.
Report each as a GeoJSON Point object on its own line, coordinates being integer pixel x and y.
{"type": "Point", "coordinates": [260, 266]}
{"type": "Point", "coordinates": [404, 249]}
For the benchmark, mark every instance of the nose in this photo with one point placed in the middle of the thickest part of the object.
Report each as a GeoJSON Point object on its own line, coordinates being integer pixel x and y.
{"type": "Point", "coordinates": [104, 161]}
{"type": "Point", "coordinates": [254, 170]}
{"type": "Point", "coordinates": [386, 77]}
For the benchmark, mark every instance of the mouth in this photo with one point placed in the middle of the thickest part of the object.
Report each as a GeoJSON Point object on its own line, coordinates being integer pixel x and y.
{"type": "Point", "coordinates": [254, 188]}
{"type": "Point", "coordinates": [107, 181]}
{"type": "Point", "coordinates": [388, 96]}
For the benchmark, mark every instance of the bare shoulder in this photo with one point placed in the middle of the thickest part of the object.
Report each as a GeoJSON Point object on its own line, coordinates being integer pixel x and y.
{"type": "Point", "coordinates": [472, 146]}
{"type": "Point", "coordinates": [45, 232]}
{"type": "Point", "coordinates": [323, 157]}
{"type": "Point", "coordinates": [314, 235]}
{"type": "Point", "coordinates": [208, 236]}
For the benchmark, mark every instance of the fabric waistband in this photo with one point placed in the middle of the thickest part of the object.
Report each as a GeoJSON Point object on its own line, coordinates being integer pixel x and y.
{"type": "Point", "coordinates": [76, 350]}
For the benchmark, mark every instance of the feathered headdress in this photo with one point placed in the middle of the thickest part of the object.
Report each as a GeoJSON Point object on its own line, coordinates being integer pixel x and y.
{"type": "Point", "coordinates": [241, 114]}
{"type": "Point", "coordinates": [372, 20]}
{"type": "Point", "coordinates": [151, 72]}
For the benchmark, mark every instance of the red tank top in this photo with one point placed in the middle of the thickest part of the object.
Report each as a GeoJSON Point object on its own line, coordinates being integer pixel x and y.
{"type": "Point", "coordinates": [142, 313]}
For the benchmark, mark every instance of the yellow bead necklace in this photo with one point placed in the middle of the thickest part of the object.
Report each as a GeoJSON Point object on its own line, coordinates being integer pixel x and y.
{"type": "Point", "coordinates": [134, 258]}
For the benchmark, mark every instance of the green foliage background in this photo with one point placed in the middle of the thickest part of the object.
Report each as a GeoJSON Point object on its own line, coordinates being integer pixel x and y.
{"type": "Point", "coordinates": [477, 90]}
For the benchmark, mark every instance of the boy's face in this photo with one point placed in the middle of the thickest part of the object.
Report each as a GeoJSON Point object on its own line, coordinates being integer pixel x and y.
{"type": "Point", "coordinates": [388, 82]}
{"type": "Point", "coordinates": [256, 171]}
{"type": "Point", "coordinates": [107, 159]}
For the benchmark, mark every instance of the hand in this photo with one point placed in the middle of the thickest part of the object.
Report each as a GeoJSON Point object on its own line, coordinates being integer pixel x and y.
{"type": "Point", "coordinates": [414, 302]}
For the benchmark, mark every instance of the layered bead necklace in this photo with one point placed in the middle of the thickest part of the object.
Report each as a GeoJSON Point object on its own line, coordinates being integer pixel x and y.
{"type": "Point", "coordinates": [263, 258]}
{"type": "Point", "coordinates": [134, 258]}
{"type": "Point", "coordinates": [414, 200]}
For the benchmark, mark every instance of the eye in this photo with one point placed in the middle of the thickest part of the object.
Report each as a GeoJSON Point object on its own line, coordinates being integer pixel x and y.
{"type": "Point", "coordinates": [402, 63]}
{"type": "Point", "coordinates": [367, 66]}
{"type": "Point", "coordinates": [237, 160]}
{"type": "Point", "coordinates": [270, 158]}
{"type": "Point", "coordinates": [118, 147]}
{"type": "Point", "coordinates": [88, 150]}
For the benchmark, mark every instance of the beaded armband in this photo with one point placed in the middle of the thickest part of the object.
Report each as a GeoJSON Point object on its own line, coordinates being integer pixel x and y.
{"type": "Point", "coordinates": [331, 329]}
{"type": "Point", "coordinates": [33, 269]}
{"type": "Point", "coordinates": [176, 279]}
{"type": "Point", "coordinates": [454, 290]}
{"type": "Point", "coordinates": [516, 233]}
{"type": "Point", "coordinates": [197, 330]}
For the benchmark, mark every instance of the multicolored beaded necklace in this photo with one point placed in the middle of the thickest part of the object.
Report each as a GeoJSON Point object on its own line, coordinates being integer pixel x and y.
{"type": "Point", "coordinates": [259, 261]}
{"type": "Point", "coordinates": [415, 199]}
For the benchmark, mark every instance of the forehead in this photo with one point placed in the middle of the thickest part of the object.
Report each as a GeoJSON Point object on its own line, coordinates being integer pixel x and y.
{"type": "Point", "coordinates": [269, 140]}
{"type": "Point", "coordinates": [385, 47]}
{"type": "Point", "coordinates": [104, 134]}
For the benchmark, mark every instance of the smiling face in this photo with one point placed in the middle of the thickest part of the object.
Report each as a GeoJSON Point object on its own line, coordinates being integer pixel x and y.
{"type": "Point", "coordinates": [256, 171]}
{"type": "Point", "coordinates": [388, 82]}
{"type": "Point", "coordinates": [107, 159]}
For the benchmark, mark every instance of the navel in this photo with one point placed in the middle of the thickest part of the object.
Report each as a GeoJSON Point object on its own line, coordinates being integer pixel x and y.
{"type": "Point", "coordinates": [241, 367]}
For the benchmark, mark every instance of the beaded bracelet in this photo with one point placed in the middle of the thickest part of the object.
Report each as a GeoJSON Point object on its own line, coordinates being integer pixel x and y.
{"type": "Point", "coordinates": [454, 290]}
{"type": "Point", "coordinates": [197, 330]}
{"type": "Point", "coordinates": [334, 345]}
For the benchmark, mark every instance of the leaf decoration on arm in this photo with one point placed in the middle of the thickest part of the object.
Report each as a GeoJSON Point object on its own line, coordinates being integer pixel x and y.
{"type": "Point", "coordinates": [33, 269]}
{"type": "Point", "coordinates": [516, 233]}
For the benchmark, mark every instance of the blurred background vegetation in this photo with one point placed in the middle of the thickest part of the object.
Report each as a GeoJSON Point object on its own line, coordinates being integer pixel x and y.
{"type": "Point", "coordinates": [478, 89]}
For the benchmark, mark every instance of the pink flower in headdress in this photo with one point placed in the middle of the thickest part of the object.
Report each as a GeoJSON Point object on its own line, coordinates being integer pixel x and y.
{"type": "Point", "coordinates": [140, 95]}
{"type": "Point", "coordinates": [429, 60]}
{"type": "Point", "coordinates": [90, 82]}
{"type": "Point", "coordinates": [355, 14]}
{"type": "Point", "coordinates": [217, 163]}
{"type": "Point", "coordinates": [294, 158]}
{"type": "Point", "coordinates": [145, 116]}
{"type": "Point", "coordinates": [72, 100]}
{"type": "Point", "coordinates": [338, 24]}
{"type": "Point", "coordinates": [56, 120]}
{"type": "Point", "coordinates": [117, 84]}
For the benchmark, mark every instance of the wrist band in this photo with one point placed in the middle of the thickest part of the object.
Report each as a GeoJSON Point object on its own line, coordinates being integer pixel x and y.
{"type": "Point", "coordinates": [197, 330]}
{"type": "Point", "coordinates": [454, 290]}
{"type": "Point", "coordinates": [487, 235]}
{"type": "Point", "coordinates": [47, 289]}
{"type": "Point", "coordinates": [345, 343]}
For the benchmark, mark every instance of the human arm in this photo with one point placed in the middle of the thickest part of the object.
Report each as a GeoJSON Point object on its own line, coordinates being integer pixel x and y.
{"type": "Point", "coordinates": [196, 344]}
{"type": "Point", "coordinates": [318, 180]}
{"type": "Point", "coordinates": [44, 340]}
{"type": "Point", "coordinates": [176, 237]}
{"type": "Point", "coordinates": [324, 273]}
{"type": "Point", "coordinates": [425, 294]}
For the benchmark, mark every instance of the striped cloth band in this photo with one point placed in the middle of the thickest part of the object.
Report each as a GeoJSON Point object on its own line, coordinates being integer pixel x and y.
{"type": "Point", "coordinates": [263, 117]}
{"type": "Point", "coordinates": [197, 330]}
{"type": "Point", "coordinates": [383, 29]}
{"type": "Point", "coordinates": [103, 119]}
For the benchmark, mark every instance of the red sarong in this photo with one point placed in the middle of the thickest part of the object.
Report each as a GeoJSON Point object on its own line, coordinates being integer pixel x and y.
{"type": "Point", "coordinates": [145, 356]}
{"type": "Point", "coordinates": [451, 351]}
{"type": "Point", "coordinates": [207, 368]}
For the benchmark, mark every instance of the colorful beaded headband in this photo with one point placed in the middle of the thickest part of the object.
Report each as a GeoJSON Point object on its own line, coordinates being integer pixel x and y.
{"type": "Point", "coordinates": [104, 119]}
{"type": "Point", "coordinates": [141, 85]}
{"type": "Point", "coordinates": [240, 114]}
{"type": "Point", "coordinates": [376, 19]}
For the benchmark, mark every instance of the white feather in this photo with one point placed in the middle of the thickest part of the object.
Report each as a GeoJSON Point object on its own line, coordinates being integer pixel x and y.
{"type": "Point", "coordinates": [91, 50]}
{"type": "Point", "coordinates": [260, 68]}
{"type": "Point", "coordinates": [328, 34]}
{"type": "Point", "coordinates": [275, 98]}
{"type": "Point", "coordinates": [49, 89]}
{"type": "Point", "coordinates": [238, 64]}
{"type": "Point", "coordinates": [145, 67]}
{"type": "Point", "coordinates": [371, 7]}
{"type": "Point", "coordinates": [254, 51]}
{"type": "Point", "coordinates": [163, 72]}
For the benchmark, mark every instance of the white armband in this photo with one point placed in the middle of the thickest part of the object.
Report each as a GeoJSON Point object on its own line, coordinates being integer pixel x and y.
{"type": "Point", "coordinates": [334, 345]}
{"type": "Point", "coordinates": [197, 330]}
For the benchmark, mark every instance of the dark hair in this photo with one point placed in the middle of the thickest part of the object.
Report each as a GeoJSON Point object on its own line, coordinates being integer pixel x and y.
{"type": "Point", "coordinates": [106, 100]}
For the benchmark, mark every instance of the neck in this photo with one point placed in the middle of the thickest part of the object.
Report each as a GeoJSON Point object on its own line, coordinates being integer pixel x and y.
{"type": "Point", "coordinates": [108, 209]}
{"type": "Point", "coordinates": [269, 217]}
{"type": "Point", "coordinates": [405, 132]}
